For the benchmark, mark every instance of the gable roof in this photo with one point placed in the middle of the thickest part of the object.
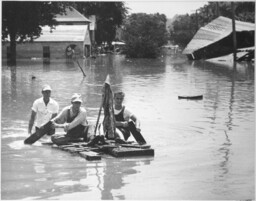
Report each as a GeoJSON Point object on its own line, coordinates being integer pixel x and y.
{"type": "Point", "coordinates": [72, 15]}
{"type": "Point", "coordinates": [63, 33]}
{"type": "Point", "coordinates": [214, 31]}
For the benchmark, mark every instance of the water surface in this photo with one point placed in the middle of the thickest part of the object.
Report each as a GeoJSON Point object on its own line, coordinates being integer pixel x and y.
{"type": "Point", "coordinates": [204, 149]}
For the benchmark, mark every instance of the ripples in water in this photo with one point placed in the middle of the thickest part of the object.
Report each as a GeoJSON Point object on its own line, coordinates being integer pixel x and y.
{"type": "Point", "coordinates": [198, 144]}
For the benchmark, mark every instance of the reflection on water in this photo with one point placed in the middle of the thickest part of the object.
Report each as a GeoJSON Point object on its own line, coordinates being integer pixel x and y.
{"type": "Point", "coordinates": [198, 144]}
{"type": "Point", "coordinates": [13, 83]}
{"type": "Point", "coordinates": [226, 152]}
{"type": "Point", "coordinates": [231, 102]}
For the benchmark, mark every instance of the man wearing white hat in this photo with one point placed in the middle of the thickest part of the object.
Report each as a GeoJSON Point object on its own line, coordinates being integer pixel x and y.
{"type": "Point", "coordinates": [43, 110]}
{"type": "Point", "coordinates": [73, 119]}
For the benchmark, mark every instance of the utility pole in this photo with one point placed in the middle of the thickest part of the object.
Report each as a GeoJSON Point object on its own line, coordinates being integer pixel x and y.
{"type": "Point", "coordinates": [196, 21]}
{"type": "Point", "coordinates": [217, 9]}
{"type": "Point", "coordinates": [196, 15]}
{"type": "Point", "coordinates": [234, 31]}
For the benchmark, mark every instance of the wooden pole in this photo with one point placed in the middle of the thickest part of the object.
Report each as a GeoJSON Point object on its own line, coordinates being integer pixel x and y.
{"type": "Point", "coordinates": [101, 106]}
{"type": "Point", "coordinates": [217, 9]}
{"type": "Point", "coordinates": [98, 118]}
{"type": "Point", "coordinates": [81, 68]}
{"type": "Point", "coordinates": [234, 31]}
{"type": "Point", "coordinates": [196, 21]}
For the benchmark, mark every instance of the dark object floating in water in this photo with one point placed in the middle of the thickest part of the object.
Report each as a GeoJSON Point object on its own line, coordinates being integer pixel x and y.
{"type": "Point", "coordinates": [33, 77]}
{"type": "Point", "coordinates": [198, 97]}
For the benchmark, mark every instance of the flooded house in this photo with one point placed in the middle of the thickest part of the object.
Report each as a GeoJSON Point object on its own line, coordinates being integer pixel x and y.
{"type": "Point", "coordinates": [216, 40]}
{"type": "Point", "coordinates": [71, 36]}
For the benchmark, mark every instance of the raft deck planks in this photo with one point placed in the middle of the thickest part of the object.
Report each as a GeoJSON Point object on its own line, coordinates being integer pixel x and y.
{"type": "Point", "coordinates": [90, 155]}
{"type": "Point", "coordinates": [130, 151]}
{"type": "Point", "coordinates": [116, 150]}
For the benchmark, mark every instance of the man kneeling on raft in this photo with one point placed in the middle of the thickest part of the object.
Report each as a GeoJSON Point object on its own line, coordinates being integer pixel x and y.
{"type": "Point", "coordinates": [126, 122]}
{"type": "Point", "coordinates": [73, 119]}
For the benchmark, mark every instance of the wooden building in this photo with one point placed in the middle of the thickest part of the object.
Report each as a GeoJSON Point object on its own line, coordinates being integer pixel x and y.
{"type": "Point", "coordinates": [216, 39]}
{"type": "Point", "coordinates": [71, 37]}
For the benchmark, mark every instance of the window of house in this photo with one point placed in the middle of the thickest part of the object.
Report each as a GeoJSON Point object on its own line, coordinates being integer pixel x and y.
{"type": "Point", "coordinates": [46, 52]}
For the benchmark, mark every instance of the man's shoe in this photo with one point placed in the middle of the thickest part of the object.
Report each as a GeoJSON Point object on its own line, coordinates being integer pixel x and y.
{"type": "Point", "coordinates": [101, 140]}
{"type": "Point", "coordinates": [93, 142]}
{"type": "Point", "coordinates": [142, 143]}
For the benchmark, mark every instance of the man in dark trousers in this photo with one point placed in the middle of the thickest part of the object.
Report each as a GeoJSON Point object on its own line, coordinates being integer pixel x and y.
{"type": "Point", "coordinates": [126, 121]}
{"type": "Point", "coordinates": [73, 119]}
{"type": "Point", "coordinates": [43, 110]}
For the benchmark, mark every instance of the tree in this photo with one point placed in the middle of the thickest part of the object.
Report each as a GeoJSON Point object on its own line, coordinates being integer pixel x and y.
{"type": "Point", "coordinates": [144, 35]}
{"type": "Point", "coordinates": [109, 15]}
{"type": "Point", "coordinates": [183, 30]}
{"type": "Point", "coordinates": [22, 20]}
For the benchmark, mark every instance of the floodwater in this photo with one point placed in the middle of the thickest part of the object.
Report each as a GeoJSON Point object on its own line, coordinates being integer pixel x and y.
{"type": "Point", "coordinates": [204, 149]}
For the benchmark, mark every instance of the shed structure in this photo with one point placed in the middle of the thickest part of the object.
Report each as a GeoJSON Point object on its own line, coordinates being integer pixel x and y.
{"type": "Point", "coordinates": [215, 39]}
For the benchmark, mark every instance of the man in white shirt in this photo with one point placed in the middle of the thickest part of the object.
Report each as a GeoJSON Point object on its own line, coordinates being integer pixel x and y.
{"type": "Point", "coordinates": [73, 119]}
{"type": "Point", "coordinates": [43, 110]}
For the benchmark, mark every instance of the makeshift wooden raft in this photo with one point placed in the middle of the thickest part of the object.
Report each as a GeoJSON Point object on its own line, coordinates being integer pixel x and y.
{"type": "Point", "coordinates": [113, 149]}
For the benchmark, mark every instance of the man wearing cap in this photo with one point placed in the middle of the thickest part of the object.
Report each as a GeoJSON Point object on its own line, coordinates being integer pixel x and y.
{"type": "Point", "coordinates": [43, 110]}
{"type": "Point", "coordinates": [73, 119]}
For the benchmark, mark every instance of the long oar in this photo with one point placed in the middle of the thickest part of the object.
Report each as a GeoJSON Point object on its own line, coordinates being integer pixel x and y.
{"type": "Point", "coordinates": [81, 68]}
{"type": "Point", "coordinates": [98, 117]}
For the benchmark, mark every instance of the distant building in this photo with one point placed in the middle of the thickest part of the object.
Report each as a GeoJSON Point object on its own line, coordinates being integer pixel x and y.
{"type": "Point", "coordinates": [70, 37]}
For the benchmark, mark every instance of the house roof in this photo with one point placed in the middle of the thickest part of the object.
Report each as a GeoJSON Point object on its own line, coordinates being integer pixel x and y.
{"type": "Point", "coordinates": [72, 15]}
{"type": "Point", "coordinates": [215, 31]}
{"type": "Point", "coordinates": [62, 33]}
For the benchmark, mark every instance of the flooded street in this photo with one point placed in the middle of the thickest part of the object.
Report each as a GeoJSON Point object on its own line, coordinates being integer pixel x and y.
{"type": "Point", "coordinates": [204, 149]}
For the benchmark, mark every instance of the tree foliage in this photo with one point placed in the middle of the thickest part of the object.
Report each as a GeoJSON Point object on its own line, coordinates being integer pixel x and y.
{"type": "Point", "coordinates": [144, 34]}
{"type": "Point", "coordinates": [185, 26]}
{"type": "Point", "coordinates": [22, 20]}
{"type": "Point", "coordinates": [110, 15]}
{"type": "Point", "coordinates": [183, 29]}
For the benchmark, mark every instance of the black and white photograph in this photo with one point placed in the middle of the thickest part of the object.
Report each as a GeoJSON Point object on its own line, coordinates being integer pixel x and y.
{"type": "Point", "coordinates": [128, 100]}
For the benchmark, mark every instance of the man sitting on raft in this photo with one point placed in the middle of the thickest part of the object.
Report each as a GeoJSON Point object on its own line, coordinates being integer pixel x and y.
{"type": "Point", "coordinates": [73, 119]}
{"type": "Point", "coordinates": [43, 110]}
{"type": "Point", "coordinates": [126, 122]}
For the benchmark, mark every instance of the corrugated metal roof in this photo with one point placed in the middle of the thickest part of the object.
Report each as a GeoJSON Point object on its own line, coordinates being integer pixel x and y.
{"type": "Point", "coordinates": [63, 33]}
{"type": "Point", "coordinates": [215, 31]}
{"type": "Point", "coordinates": [72, 15]}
